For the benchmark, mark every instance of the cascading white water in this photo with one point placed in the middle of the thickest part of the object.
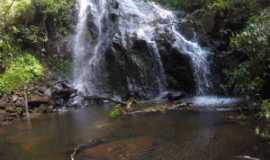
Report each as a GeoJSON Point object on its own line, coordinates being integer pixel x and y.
{"type": "Point", "coordinates": [86, 56]}
{"type": "Point", "coordinates": [199, 56]}
{"type": "Point", "coordinates": [79, 47]}
{"type": "Point", "coordinates": [136, 18]}
{"type": "Point", "coordinates": [199, 59]}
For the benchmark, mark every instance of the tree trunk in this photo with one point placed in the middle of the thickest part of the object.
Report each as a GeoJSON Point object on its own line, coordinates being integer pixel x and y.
{"type": "Point", "coordinates": [26, 104]}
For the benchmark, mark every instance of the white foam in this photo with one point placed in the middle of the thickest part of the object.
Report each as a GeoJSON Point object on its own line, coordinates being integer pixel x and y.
{"type": "Point", "coordinates": [213, 101]}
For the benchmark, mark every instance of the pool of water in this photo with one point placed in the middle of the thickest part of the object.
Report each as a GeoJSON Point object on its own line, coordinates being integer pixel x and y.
{"type": "Point", "coordinates": [187, 136]}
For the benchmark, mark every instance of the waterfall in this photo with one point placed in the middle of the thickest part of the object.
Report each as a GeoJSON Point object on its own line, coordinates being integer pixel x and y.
{"type": "Point", "coordinates": [136, 20]}
{"type": "Point", "coordinates": [86, 56]}
{"type": "Point", "coordinates": [79, 47]}
{"type": "Point", "coordinates": [199, 56]}
{"type": "Point", "coordinates": [199, 59]}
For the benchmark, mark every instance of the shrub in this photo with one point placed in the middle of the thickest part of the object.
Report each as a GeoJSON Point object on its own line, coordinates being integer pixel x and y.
{"type": "Point", "coordinates": [7, 51]}
{"type": "Point", "coordinates": [220, 4]}
{"type": "Point", "coordinates": [58, 13]}
{"type": "Point", "coordinates": [21, 71]}
{"type": "Point", "coordinates": [29, 23]}
{"type": "Point", "coordinates": [116, 112]}
{"type": "Point", "coordinates": [12, 11]}
{"type": "Point", "coordinates": [254, 42]}
{"type": "Point", "coordinates": [241, 82]}
{"type": "Point", "coordinates": [191, 5]}
{"type": "Point", "coordinates": [232, 4]}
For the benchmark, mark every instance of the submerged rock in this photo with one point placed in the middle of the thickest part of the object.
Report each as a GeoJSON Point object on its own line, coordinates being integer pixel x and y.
{"type": "Point", "coordinates": [126, 149]}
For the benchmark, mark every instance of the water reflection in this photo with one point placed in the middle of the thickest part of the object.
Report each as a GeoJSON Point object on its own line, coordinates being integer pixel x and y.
{"type": "Point", "coordinates": [189, 136]}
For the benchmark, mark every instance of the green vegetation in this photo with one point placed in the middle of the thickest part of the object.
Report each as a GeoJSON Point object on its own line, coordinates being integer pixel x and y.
{"type": "Point", "coordinates": [26, 28]}
{"type": "Point", "coordinates": [30, 23]}
{"type": "Point", "coordinates": [61, 67]}
{"type": "Point", "coordinates": [22, 70]}
{"type": "Point", "coordinates": [264, 133]}
{"type": "Point", "coordinates": [266, 109]}
{"type": "Point", "coordinates": [116, 112]}
{"type": "Point", "coordinates": [232, 4]}
{"type": "Point", "coordinates": [246, 24]}
{"type": "Point", "coordinates": [57, 14]}
{"type": "Point", "coordinates": [250, 77]}
{"type": "Point", "coordinates": [191, 5]}
{"type": "Point", "coordinates": [240, 81]}
{"type": "Point", "coordinates": [12, 11]}
{"type": "Point", "coordinates": [172, 3]}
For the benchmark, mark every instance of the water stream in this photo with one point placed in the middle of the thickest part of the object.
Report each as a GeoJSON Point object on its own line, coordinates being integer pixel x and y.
{"type": "Point", "coordinates": [136, 18]}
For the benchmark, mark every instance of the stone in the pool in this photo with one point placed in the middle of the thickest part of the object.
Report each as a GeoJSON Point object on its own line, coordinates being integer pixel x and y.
{"type": "Point", "coordinates": [126, 149]}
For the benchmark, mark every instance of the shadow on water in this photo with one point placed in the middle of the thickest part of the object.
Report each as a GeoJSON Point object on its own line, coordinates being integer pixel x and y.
{"type": "Point", "coordinates": [170, 136]}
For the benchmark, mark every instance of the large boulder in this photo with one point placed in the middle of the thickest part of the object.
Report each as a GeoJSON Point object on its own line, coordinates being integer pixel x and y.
{"type": "Point", "coordinates": [134, 62]}
{"type": "Point", "coordinates": [60, 94]}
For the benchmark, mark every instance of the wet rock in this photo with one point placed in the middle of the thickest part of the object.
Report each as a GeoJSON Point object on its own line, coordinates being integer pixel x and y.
{"type": "Point", "coordinates": [2, 112]}
{"type": "Point", "coordinates": [11, 109]}
{"type": "Point", "coordinates": [3, 105]}
{"type": "Point", "coordinates": [129, 70]}
{"type": "Point", "coordinates": [43, 108]}
{"type": "Point", "coordinates": [177, 67]}
{"type": "Point", "coordinates": [36, 100]}
{"type": "Point", "coordinates": [2, 115]}
{"type": "Point", "coordinates": [13, 115]}
{"type": "Point", "coordinates": [15, 98]}
{"type": "Point", "coordinates": [61, 93]}
{"type": "Point", "coordinates": [136, 61]}
{"type": "Point", "coordinates": [20, 102]}
{"type": "Point", "coordinates": [205, 19]}
{"type": "Point", "coordinates": [62, 88]}
{"type": "Point", "coordinates": [126, 63]}
{"type": "Point", "coordinates": [118, 150]}
{"type": "Point", "coordinates": [8, 109]}
{"type": "Point", "coordinates": [2, 118]}
{"type": "Point", "coordinates": [172, 96]}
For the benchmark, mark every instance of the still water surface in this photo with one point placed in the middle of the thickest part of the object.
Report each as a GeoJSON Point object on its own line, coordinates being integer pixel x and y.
{"type": "Point", "coordinates": [187, 136]}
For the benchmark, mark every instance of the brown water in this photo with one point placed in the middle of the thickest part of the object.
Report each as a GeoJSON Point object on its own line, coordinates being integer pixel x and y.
{"type": "Point", "coordinates": [187, 136]}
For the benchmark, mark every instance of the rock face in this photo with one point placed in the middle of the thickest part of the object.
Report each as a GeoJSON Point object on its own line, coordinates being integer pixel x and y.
{"type": "Point", "coordinates": [12, 106]}
{"type": "Point", "coordinates": [61, 94]}
{"type": "Point", "coordinates": [132, 48]}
